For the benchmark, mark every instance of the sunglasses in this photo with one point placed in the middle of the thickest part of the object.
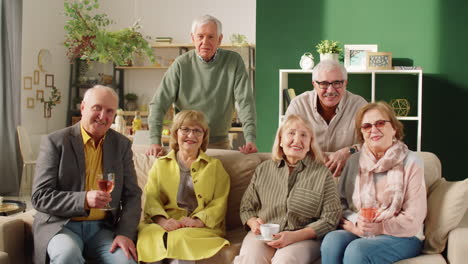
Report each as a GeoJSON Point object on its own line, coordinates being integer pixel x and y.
{"type": "Point", "coordinates": [366, 127]}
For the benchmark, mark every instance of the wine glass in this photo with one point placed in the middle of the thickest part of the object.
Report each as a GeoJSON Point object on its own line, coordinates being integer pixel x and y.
{"type": "Point", "coordinates": [106, 184]}
{"type": "Point", "coordinates": [369, 214]}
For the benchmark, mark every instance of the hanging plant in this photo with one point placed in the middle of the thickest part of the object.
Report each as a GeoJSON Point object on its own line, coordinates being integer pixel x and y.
{"type": "Point", "coordinates": [88, 39]}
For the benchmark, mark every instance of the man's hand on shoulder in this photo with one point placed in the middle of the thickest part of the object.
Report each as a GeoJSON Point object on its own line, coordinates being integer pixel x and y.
{"type": "Point", "coordinates": [155, 150]}
{"type": "Point", "coordinates": [126, 244]}
{"type": "Point", "coordinates": [97, 199]}
{"type": "Point", "coordinates": [250, 147]}
{"type": "Point", "coordinates": [337, 160]}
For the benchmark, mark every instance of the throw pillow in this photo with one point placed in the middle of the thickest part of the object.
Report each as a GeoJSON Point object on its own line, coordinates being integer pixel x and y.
{"type": "Point", "coordinates": [446, 205]}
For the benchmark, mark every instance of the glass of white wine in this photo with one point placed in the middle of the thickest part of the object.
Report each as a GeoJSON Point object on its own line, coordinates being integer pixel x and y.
{"type": "Point", "coordinates": [106, 184]}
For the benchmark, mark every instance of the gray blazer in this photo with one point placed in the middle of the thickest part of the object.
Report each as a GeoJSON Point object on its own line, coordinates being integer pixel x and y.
{"type": "Point", "coordinates": [59, 186]}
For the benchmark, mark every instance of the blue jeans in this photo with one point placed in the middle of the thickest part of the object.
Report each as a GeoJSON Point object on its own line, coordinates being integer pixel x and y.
{"type": "Point", "coordinates": [80, 240]}
{"type": "Point", "coordinates": [341, 246]}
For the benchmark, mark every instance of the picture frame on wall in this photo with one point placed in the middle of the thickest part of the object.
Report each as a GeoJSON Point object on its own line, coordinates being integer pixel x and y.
{"type": "Point", "coordinates": [49, 80]}
{"type": "Point", "coordinates": [36, 77]}
{"type": "Point", "coordinates": [355, 55]}
{"type": "Point", "coordinates": [39, 95]}
{"type": "Point", "coordinates": [30, 102]}
{"type": "Point", "coordinates": [379, 60]}
{"type": "Point", "coordinates": [27, 83]}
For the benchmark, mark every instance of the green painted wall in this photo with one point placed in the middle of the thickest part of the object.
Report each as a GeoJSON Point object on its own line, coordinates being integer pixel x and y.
{"type": "Point", "coordinates": [428, 33]}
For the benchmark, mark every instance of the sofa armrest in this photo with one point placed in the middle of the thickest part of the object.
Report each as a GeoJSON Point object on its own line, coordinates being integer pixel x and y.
{"type": "Point", "coordinates": [457, 243]}
{"type": "Point", "coordinates": [4, 258]}
{"type": "Point", "coordinates": [12, 238]}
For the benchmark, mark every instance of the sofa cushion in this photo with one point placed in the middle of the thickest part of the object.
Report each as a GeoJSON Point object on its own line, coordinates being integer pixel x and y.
{"type": "Point", "coordinates": [240, 167]}
{"type": "Point", "coordinates": [432, 168]}
{"type": "Point", "coordinates": [447, 204]}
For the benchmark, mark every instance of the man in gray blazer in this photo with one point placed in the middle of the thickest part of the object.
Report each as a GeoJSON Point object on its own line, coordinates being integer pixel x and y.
{"type": "Point", "coordinates": [69, 225]}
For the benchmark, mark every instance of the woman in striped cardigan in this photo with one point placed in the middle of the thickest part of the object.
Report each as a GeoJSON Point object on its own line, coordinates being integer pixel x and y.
{"type": "Point", "coordinates": [295, 190]}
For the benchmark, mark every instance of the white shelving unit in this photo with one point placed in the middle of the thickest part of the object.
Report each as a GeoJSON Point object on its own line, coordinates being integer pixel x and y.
{"type": "Point", "coordinates": [283, 83]}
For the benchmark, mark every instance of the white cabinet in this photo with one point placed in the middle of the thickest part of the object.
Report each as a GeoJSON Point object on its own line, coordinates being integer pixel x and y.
{"type": "Point", "coordinates": [283, 84]}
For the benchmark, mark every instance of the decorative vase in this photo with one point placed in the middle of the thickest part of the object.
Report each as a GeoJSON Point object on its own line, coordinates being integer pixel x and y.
{"type": "Point", "coordinates": [307, 61]}
{"type": "Point", "coordinates": [329, 56]}
{"type": "Point", "coordinates": [131, 106]}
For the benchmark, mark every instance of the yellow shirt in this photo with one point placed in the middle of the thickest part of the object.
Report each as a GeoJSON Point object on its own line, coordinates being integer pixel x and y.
{"type": "Point", "coordinates": [93, 165]}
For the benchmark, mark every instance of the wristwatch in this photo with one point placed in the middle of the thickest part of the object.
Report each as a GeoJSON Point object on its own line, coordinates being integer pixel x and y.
{"type": "Point", "coordinates": [352, 150]}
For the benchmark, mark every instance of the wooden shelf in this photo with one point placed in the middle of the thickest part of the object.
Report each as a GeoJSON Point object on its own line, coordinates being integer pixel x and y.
{"type": "Point", "coordinates": [142, 67]}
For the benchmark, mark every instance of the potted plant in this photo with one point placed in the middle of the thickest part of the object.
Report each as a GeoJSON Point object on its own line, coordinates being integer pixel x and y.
{"type": "Point", "coordinates": [131, 104]}
{"type": "Point", "coordinates": [77, 102]}
{"type": "Point", "coordinates": [54, 99]}
{"type": "Point", "coordinates": [88, 39]}
{"type": "Point", "coordinates": [329, 49]}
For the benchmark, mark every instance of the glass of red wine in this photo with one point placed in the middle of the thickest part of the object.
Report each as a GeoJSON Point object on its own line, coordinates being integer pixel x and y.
{"type": "Point", "coordinates": [106, 184]}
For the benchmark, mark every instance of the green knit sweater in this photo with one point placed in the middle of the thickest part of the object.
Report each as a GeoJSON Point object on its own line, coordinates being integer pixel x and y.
{"type": "Point", "coordinates": [212, 88]}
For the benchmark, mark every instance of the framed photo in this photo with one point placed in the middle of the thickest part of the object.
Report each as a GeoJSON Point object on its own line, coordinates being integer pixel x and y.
{"type": "Point", "coordinates": [36, 77]}
{"type": "Point", "coordinates": [40, 95]}
{"type": "Point", "coordinates": [49, 80]}
{"type": "Point", "coordinates": [355, 56]}
{"type": "Point", "coordinates": [30, 102]}
{"type": "Point", "coordinates": [27, 83]}
{"type": "Point", "coordinates": [379, 60]}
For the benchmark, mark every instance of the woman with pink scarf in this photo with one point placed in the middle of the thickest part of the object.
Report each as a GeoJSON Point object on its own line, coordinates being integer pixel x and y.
{"type": "Point", "coordinates": [383, 195]}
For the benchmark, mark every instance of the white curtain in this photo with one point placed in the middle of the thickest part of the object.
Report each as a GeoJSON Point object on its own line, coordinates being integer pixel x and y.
{"type": "Point", "coordinates": [10, 94]}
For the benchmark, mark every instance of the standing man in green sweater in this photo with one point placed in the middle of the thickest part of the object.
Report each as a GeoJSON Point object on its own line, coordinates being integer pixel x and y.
{"type": "Point", "coordinates": [210, 80]}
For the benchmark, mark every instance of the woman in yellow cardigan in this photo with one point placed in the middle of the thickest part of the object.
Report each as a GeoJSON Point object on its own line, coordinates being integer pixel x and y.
{"type": "Point", "coordinates": [186, 197]}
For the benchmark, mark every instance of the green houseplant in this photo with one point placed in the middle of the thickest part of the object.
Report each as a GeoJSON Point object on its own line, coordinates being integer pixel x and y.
{"type": "Point", "coordinates": [131, 104]}
{"type": "Point", "coordinates": [329, 49]}
{"type": "Point", "coordinates": [88, 39]}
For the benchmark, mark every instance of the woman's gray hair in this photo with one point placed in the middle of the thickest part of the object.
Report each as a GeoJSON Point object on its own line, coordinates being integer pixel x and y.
{"type": "Point", "coordinates": [203, 20]}
{"type": "Point", "coordinates": [90, 91]}
{"type": "Point", "coordinates": [328, 66]}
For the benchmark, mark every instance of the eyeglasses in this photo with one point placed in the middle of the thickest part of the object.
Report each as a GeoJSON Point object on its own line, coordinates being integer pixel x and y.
{"type": "Point", "coordinates": [366, 127]}
{"type": "Point", "coordinates": [186, 131]}
{"type": "Point", "coordinates": [334, 84]}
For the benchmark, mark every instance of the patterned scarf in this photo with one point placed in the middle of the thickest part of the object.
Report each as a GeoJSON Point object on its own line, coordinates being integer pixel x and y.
{"type": "Point", "coordinates": [364, 187]}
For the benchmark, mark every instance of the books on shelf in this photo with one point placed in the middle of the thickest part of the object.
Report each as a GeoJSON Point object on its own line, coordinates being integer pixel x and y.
{"type": "Point", "coordinates": [163, 40]}
{"type": "Point", "coordinates": [291, 93]}
{"type": "Point", "coordinates": [288, 95]}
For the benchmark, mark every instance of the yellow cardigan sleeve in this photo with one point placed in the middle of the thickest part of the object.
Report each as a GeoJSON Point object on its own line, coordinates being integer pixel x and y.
{"type": "Point", "coordinates": [153, 204]}
{"type": "Point", "coordinates": [214, 213]}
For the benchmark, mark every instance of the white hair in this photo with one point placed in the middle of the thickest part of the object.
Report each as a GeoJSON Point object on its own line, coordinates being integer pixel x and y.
{"type": "Point", "coordinates": [203, 20]}
{"type": "Point", "coordinates": [90, 91]}
{"type": "Point", "coordinates": [328, 66]}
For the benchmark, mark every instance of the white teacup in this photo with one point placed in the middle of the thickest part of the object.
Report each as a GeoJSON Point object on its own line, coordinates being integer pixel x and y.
{"type": "Point", "coordinates": [268, 230]}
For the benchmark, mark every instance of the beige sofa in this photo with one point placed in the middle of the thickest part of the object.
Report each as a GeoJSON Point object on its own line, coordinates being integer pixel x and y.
{"type": "Point", "coordinates": [16, 237]}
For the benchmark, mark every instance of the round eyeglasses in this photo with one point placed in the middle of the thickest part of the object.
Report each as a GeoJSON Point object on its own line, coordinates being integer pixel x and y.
{"type": "Point", "coordinates": [186, 131]}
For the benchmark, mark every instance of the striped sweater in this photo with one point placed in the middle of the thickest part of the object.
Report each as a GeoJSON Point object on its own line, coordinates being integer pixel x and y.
{"type": "Point", "coordinates": [306, 197]}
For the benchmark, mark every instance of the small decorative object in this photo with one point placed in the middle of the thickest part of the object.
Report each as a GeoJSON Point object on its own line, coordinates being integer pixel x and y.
{"type": "Point", "coordinates": [239, 40]}
{"type": "Point", "coordinates": [36, 77]}
{"type": "Point", "coordinates": [54, 99]}
{"type": "Point", "coordinates": [77, 102]}
{"type": "Point", "coordinates": [27, 83]}
{"type": "Point", "coordinates": [329, 50]}
{"type": "Point", "coordinates": [400, 106]}
{"type": "Point", "coordinates": [49, 80]}
{"type": "Point", "coordinates": [88, 39]}
{"type": "Point", "coordinates": [30, 102]}
{"type": "Point", "coordinates": [131, 104]}
{"type": "Point", "coordinates": [307, 61]}
{"type": "Point", "coordinates": [379, 60]}
{"type": "Point", "coordinates": [120, 124]}
{"type": "Point", "coordinates": [40, 95]}
{"type": "Point", "coordinates": [105, 79]}
{"type": "Point", "coordinates": [355, 56]}
{"type": "Point", "coordinates": [44, 60]}
{"type": "Point", "coordinates": [407, 68]}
